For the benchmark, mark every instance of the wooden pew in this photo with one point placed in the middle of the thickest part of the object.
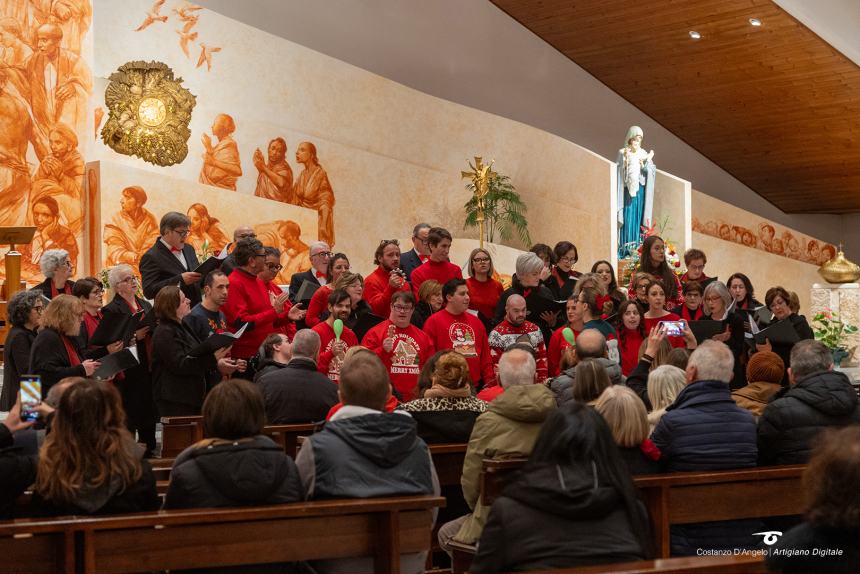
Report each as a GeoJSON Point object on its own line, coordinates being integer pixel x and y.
{"type": "Point", "coordinates": [448, 460]}
{"type": "Point", "coordinates": [679, 498]}
{"type": "Point", "coordinates": [691, 565]}
{"type": "Point", "coordinates": [381, 528]}
{"type": "Point", "coordinates": [178, 433]}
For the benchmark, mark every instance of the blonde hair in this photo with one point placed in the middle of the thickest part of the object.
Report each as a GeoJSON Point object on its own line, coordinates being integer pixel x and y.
{"type": "Point", "coordinates": [346, 279]}
{"type": "Point", "coordinates": [664, 384]}
{"type": "Point", "coordinates": [63, 314]}
{"type": "Point", "coordinates": [625, 414]}
{"type": "Point", "coordinates": [451, 371]}
{"type": "Point", "coordinates": [428, 289]}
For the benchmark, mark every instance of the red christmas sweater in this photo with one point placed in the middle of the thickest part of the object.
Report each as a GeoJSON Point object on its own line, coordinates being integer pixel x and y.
{"type": "Point", "coordinates": [328, 363]}
{"type": "Point", "coordinates": [557, 344]}
{"type": "Point", "coordinates": [484, 295]}
{"type": "Point", "coordinates": [441, 271]}
{"type": "Point", "coordinates": [504, 335]}
{"type": "Point", "coordinates": [465, 334]}
{"type": "Point", "coordinates": [248, 301]}
{"type": "Point", "coordinates": [412, 348]}
{"type": "Point", "coordinates": [378, 291]}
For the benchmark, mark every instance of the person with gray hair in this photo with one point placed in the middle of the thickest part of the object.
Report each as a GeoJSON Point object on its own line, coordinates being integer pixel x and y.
{"type": "Point", "coordinates": [818, 398]}
{"type": "Point", "coordinates": [57, 268]}
{"type": "Point", "coordinates": [420, 251]}
{"type": "Point", "coordinates": [704, 429]}
{"type": "Point", "coordinates": [25, 314]}
{"type": "Point", "coordinates": [509, 427]}
{"type": "Point", "coordinates": [542, 308]}
{"type": "Point", "coordinates": [719, 306]}
{"type": "Point", "coordinates": [320, 254]}
{"type": "Point", "coordinates": [298, 392]}
{"type": "Point", "coordinates": [590, 344]}
{"type": "Point", "coordinates": [171, 261]}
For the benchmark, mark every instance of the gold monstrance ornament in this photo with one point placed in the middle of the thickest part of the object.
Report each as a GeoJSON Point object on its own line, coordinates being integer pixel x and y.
{"type": "Point", "coordinates": [480, 176]}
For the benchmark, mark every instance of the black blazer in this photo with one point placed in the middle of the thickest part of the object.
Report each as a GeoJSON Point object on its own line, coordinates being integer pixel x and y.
{"type": "Point", "coordinates": [177, 377]}
{"type": "Point", "coordinates": [409, 261]}
{"type": "Point", "coordinates": [298, 393]}
{"type": "Point", "coordinates": [298, 278]}
{"type": "Point", "coordinates": [45, 287]}
{"type": "Point", "coordinates": [16, 362]}
{"type": "Point", "coordinates": [160, 268]}
{"type": "Point", "coordinates": [49, 359]}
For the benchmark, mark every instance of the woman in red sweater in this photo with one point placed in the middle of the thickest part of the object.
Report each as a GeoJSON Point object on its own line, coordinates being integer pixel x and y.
{"type": "Point", "coordinates": [318, 305]}
{"type": "Point", "coordinates": [557, 343]}
{"type": "Point", "coordinates": [484, 291]}
{"type": "Point", "coordinates": [657, 311]}
{"type": "Point", "coordinates": [631, 333]}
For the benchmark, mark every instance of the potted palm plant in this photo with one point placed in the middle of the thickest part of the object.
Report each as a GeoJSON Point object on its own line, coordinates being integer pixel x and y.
{"type": "Point", "coordinates": [495, 207]}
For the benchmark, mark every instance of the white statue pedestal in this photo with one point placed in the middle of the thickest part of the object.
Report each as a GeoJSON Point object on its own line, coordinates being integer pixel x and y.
{"type": "Point", "coordinates": [843, 299]}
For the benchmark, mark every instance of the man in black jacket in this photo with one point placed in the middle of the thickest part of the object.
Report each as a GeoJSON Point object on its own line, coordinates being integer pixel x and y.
{"type": "Point", "coordinates": [240, 233]}
{"type": "Point", "coordinates": [818, 397]}
{"type": "Point", "coordinates": [17, 471]}
{"type": "Point", "coordinates": [320, 253]}
{"type": "Point", "coordinates": [275, 353]}
{"type": "Point", "coordinates": [420, 251]}
{"type": "Point", "coordinates": [299, 393]}
{"type": "Point", "coordinates": [171, 261]}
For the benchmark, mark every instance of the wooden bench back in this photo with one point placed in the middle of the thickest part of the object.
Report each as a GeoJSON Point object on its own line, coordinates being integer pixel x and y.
{"type": "Point", "coordinates": [382, 528]}
{"type": "Point", "coordinates": [178, 433]}
{"type": "Point", "coordinates": [691, 565]}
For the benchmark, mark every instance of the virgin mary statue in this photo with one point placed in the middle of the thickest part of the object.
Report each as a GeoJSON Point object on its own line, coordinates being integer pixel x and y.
{"type": "Point", "coordinates": [636, 173]}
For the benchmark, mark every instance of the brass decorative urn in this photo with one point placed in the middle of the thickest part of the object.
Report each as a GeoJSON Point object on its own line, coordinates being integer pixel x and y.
{"type": "Point", "coordinates": [839, 270]}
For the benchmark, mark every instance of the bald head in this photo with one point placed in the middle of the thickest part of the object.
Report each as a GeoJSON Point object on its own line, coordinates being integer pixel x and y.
{"type": "Point", "coordinates": [590, 344]}
{"type": "Point", "coordinates": [243, 232]}
{"type": "Point", "coordinates": [515, 310]}
{"type": "Point", "coordinates": [516, 367]}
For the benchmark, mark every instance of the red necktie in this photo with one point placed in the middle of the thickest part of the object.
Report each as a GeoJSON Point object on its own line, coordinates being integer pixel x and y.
{"type": "Point", "coordinates": [425, 258]}
{"type": "Point", "coordinates": [175, 250]}
{"type": "Point", "coordinates": [320, 274]}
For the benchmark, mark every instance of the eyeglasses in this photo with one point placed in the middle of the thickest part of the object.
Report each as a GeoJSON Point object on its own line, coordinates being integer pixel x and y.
{"type": "Point", "coordinates": [39, 309]}
{"type": "Point", "coordinates": [322, 254]}
{"type": "Point", "coordinates": [402, 308]}
{"type": "Point", "coordinates": [181, 233]}
{"type": "Point", "coordinates": [714, 298]}
{"type": "Point", "coordinates": [129, 279]}
{"type": "Point", "coordinates": [570, 260]}
{"type": "Point", "coordinates": [481, 260]}
{"type": "Point", "coordinates": [274, 266]}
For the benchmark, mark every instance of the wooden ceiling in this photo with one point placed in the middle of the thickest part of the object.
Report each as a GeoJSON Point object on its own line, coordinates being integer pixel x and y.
{"type": "Point", "coordinates": [775, 105]}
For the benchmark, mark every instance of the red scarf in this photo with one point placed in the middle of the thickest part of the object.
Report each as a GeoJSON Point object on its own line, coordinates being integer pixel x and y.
{"type": "Point", "coordinates": [66, 289]}
{"type": "Point", "coordinates": [650, 450]}
{"type": "Point", "coordinates": [74, 358]}
{"type": "Point", "coordinates": [91, 322]}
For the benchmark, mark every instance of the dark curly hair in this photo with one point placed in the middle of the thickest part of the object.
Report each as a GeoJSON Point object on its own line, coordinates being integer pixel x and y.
{"type": "Point", "coordinates": [20, 306]}
{"type": "Point", "coordinates": [831, 478]}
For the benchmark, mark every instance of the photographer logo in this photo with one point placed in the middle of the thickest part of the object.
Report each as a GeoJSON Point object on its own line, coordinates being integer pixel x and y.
{"type": "Point", "coordinates": [770, 536]}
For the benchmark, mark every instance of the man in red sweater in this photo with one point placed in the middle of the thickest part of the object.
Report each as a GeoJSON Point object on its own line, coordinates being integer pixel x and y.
{"type": "Point", "coordinates": [515, 328]}
{"type": "Point", "coordinates": [332, 351]}
{"type": "Point", "coordinates": [248, 302]}
{"type": "Point", "coordinates": [453, 327]}
{"type": "Point", "coordinates": [386, 280]}
{"type": "Point", "coordinates": [403, 347]}
{"type": "Point", "coordinates": [437, 267]}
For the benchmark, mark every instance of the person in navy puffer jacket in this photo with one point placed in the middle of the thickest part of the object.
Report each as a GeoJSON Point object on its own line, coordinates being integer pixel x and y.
{"type": "Point", "coordinates": [705, 430]}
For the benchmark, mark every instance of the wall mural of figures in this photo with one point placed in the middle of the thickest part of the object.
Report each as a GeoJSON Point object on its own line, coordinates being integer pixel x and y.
{"type": "Point", "coordinates": [132, 229]}
{"type": "Point", "coordinates": [221, 163]}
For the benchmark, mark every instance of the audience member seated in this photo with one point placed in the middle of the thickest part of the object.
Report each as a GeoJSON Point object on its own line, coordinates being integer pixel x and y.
{"type": "Point", "coordinates": [678, 358]}
{"type": "Point", "coordinates": [333, 348]}
{"type": "Point", "coordinates": [24, 312]}
{"type": "Point", "coordinates": [509, 428]}
{"type": "Point", "coordinates": [625, 414]}
{"type": "Point", "coordinates": [692, 309]}
{"type": "Point", "coordinates": [55, 354]}
{"type": "Point", "coordinates": [589, 345]}
{"type": "Point", "coordinates": [236, 465]}
{"type": "Point", "coordinates": [573, 505]}
{"type": "Point", "coordinates": [631, 334]}
{"type": "Point", "coordinates": [178, 378]}
{"type": "Point", "coordinates": [591, 304]}
{"type": "Point", "coordinates": [446, 412]}
{"type": "Point", "coordinates": [57, 269]}
{"type": "Point", "coordinates": [718, 307]}
{"type": "Point", "coordinates": [298, 392]}
{"type": "Point", "coordinates": [705, 430]}
{"type": "Point", "coordinates": [17, 471]}
{"type": "Point", "coordinates": [527, 283]}
{"type": "Point", "coordinates": [338, 266]}
{"type": "Point", "coordinates": [455, 328]}
{"type": "Point", "coordinates": [135, 384]}
{"type": "Point", "coordinates": [653, 352]}
{"type": "Point", "coordinates": [320, 254]}
{"type": "Point", "coordinates": [664, 384]}
{"type": "Point", "coordinates": [206, 318]}
{"type": "Point", "coordinates": [818, 398]}
{"type": "Point", "coordinates": [778, 302]}
{"type": "Point", "coordinates": [274, 354]}
{"type": "Point", "coordinates": [89, 290]}
{"type": "Point", "coordinates": [695, 261]}
{"type": "Point", "coordinates": [437, 266]}
{"type": "Point", "coordinates": [764, 374]}
{"type": "Point", "coordinates": [419, 253]}
{"type": "Point", "coordinates": [653, 262]}
{"type": "Point", "coordinates": [484, 290]}
{"type": "Point", "coordinates": [589, 383]}
{"type": "Point", "coordinates": [171, 261]}
{"type": "Point", "coordinates": [363, 452]}
{"type": "Point", "coordinates": [513, 329]}
{"type": "Point", "coordinates": [832, 522]}
{"type": "Point", "coordinates": [403, 347]}
{"type": "Point", "coordinates": [557, 343]}
{"type": "Point", "coordinates": [90, 463]}
{"type": "Point", "coordinates": [429, 301]}
{"type": "Point", "coordinates": [386, 280]}
{"type": "Point", "coordinates": [563, 278]}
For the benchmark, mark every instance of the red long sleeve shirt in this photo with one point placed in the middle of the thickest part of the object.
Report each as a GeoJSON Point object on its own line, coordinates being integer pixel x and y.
{"type": "Point", "coordinates": [317, 306]}
{"type": "Point", "coordinates": [557, 344]}
{"type": "Point", "coordinates": [484, 295]}
{"type": "Point", "coordinates": [328, 363]}
{"type": "Point", "coordinates": [465, 334]}
{"type": "Point", "coordinates": [629, 341]}
{"type": "Point", "coordinates": [412, 348]}
{"type": "Point", "coordinates": [378, 291]}
{"type": "Point", "coordinates": [441, 271]}
{"type": "Point", "coordinates": [248, 302]}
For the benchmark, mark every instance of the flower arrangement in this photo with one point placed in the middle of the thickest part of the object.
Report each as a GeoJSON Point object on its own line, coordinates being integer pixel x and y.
{"type": "Point", "coordinates": [830, 330]}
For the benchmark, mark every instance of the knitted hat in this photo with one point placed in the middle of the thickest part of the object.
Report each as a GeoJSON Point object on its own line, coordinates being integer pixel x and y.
{"type": "Point", "coordinates": [766, 367]}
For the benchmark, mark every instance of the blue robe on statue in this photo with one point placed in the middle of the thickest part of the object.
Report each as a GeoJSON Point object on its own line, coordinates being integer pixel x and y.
{"type": "Point", "coordinates": [633, 211]}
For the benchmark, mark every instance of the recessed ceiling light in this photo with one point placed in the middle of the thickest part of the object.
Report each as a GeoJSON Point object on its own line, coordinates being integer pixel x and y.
{"type": "Point", "coordinates": [755, 21]}
{"type": "Point", "coordinates": [695, 35]}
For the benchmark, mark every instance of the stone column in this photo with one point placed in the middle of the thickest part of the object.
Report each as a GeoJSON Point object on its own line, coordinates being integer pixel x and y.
{"type": "Point", "coordinates": [845, 300]}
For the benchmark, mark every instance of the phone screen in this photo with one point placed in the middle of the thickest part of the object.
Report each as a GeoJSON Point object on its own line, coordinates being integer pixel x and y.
{"type": "Point", "coordinates": [673, 328]}
{"type": "Point", "coordinates": [31, 395]}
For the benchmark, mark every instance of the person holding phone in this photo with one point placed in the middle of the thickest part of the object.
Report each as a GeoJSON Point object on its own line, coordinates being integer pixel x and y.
{"type": "Point", "coordinates": [657, 313]}
{"type": "Point", "coordinates": [17, 471]}
{"type": "Point", "coordinates": [718, 305]}
{"type": "Point", "coordinates": [24, 312]}
{"type": "Point", "coordinates": [55, 354]}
